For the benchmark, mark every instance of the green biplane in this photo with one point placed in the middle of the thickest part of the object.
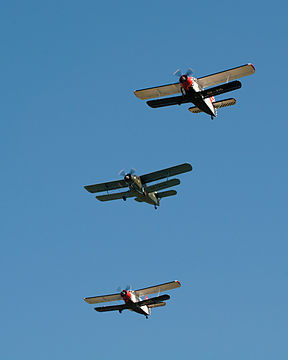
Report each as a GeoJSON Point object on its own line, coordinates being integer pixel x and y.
{"type": "Point", "coordinates": [138, 187]}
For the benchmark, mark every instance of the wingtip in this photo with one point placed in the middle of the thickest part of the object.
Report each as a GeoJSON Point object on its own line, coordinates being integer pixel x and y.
{"type": "Point", "coordinates": [252, 66]}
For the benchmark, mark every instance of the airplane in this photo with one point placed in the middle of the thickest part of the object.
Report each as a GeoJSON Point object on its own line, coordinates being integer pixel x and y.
{"type": "Point", "coordinates": [138, 185]}
{"type": "Point", "coordinates": [192, 90]}
{"type": "Point", "coordinates": [133, 301]}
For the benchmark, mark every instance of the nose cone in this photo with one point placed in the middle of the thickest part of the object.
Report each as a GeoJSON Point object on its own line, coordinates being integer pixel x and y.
{"type": "Point", "coordinates": [183, 79]}
{"type": "Point", "coordinates": [128, 178]}
{"type": "Point", "coordinates": [123, 293]}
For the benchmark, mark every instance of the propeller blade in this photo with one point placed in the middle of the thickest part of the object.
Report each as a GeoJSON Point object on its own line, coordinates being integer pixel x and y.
{"type": "Point", "coordinates": [119, 289]}
{"type": "Point", "coordinates": [128, 287]}
{"type": "Point", "coordinates": [132, 171]}
{"type": "Point", "coordinates": [189, 72]}
{"type": "Point", "coordinates": [177, 73]}
{"type": "Point", "coordinates": [121, 173]}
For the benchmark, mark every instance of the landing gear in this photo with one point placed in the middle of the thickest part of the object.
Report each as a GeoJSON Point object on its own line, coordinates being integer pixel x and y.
{"type": "Point", "coordinates": [120, 311]}
{"type": "Point", "coordinates": [146, 316]}
{"type": "Point", "coordinates": [212, 117]}
{"type": "Point", "coordinates": [124, 198]}
{"type": "Point", "coordinates": [155, 207]}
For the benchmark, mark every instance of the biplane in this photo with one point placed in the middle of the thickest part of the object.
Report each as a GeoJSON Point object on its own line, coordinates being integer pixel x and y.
{"type": "Point", "coordinates": [138, 187]}
{"type": "Point", "coordinates": [133, 301]}
{"type": "Point", "coordinates": [194, 90]}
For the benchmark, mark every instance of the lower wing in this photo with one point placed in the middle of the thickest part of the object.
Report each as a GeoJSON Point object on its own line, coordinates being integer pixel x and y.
{"type": "Point", "coordinates": [163, 194]}
{"type": "Point", "coordinates": [174, 100]}
{"type": "Point", "coordinates": [221, 89]}
{"type": "Point", "coordinates": [116, 196]}
{"type": "Point", "coordinates": [162, 185]}
{"type": "Point", "coordinates": [111, 308]}
{"type": "Point", "coordinates": [153, 300]}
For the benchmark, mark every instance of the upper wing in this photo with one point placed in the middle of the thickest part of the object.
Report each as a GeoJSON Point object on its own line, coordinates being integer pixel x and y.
{"type": "Point", "coordinates": [165, 173]}
{"type": "Point", "coordinates": [162, 185]}
{"type": "Point", "coordinates": [225, 76]}
{"type": "Point", "coordinates": [111, 185]}
{"type": "Point", "coordinates": [103, 298]}
{"type": "Point", "coordinates": [158, 288]}
{"type": "Point", "coordinates": [116, 196]}
{"type": "Point", "coordinates": [159, 91]}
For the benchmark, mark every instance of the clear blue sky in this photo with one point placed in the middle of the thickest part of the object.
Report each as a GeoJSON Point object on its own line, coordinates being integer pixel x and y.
{"type": "Point", "coordinates": [69, 118]}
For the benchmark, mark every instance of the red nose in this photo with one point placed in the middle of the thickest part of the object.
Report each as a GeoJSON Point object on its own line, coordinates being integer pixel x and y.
{"type": "Point", "coordinates": [183, 78]}
{"type": "Point", "coordinates": [125, 295]}
{"type": "Point", "coordinates": [186, 82]}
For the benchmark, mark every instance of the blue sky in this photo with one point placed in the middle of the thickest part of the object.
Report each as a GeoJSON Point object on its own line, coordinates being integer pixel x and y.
{"type": "Point", "coordinates": [69, 118]}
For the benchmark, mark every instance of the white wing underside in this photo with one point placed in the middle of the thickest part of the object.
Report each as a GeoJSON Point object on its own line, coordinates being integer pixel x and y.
{"type": "Point", "coordinates": [158, 288]}
{"type": "Point", "coordinates": [226, 76]}
{"type": "Point", "coordinates": [206, 81]}
{"type": "Point", "coordinates": [159, 91]}
{"type": "Point", "coordinates": [103, 298]}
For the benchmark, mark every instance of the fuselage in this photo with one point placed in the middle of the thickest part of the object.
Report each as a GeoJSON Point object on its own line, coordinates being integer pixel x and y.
{"type": "Point", "coordinates": [135, 184]}
{"type": "Point", "coordinates": [191, 88]}
{"type": "Point", "coordinates": [131, 299]}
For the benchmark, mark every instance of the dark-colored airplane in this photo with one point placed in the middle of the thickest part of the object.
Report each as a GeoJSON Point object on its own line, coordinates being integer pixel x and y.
{"type": "Point", "coordinates": [192, 90]}
{"type": "Point", "coordinates": [138, 187]}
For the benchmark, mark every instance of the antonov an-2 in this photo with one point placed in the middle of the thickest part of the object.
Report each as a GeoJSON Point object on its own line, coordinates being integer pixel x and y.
{"type": "Point", "coordinates": [132, 299]}
{"type": "Point", "coordinates": [138, 186]}
{"type": "Point", "coordinates": [192, 90]}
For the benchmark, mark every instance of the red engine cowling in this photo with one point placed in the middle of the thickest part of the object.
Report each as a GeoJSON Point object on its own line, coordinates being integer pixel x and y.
{"type": "Point", "coordinates": [126, 296]}
{"type": "Point", "coordinates": [185, 82]}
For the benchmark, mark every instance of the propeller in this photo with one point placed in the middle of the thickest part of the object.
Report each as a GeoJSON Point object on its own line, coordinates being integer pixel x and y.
{"type": "Point", "coordinates": [178, 72]}
{"type": "Point", "coordinates": [123, 173]}
{"type": "Point", "coordinates": [127, 288]}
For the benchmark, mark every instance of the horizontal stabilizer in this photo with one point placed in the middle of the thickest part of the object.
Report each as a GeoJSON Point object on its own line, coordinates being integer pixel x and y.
{"type": "Point", "coordinates": [111, 308]}
{"type": "Point", "coordinates": [221, 89]}
{"type": "Point", "coordinates": [175, 100]}
{"type": "Point", "coordinates": [163, 194]}
{"type": "Point", "coordinates": [162, 185]}
{"type": "Point", "coordinates": [216, 104]}
{"type": "Point", "coordinates": [116, 196]}
{"type": "Point", "coordinates": [157, 305]}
